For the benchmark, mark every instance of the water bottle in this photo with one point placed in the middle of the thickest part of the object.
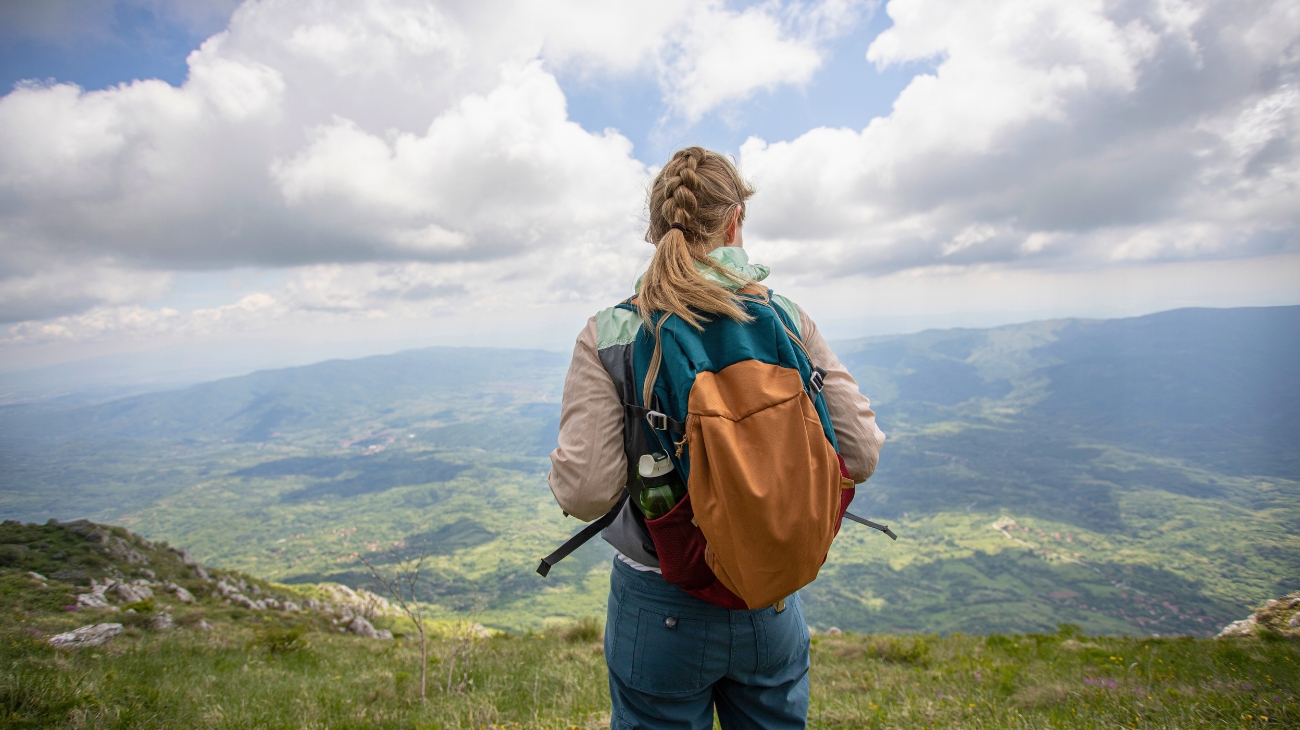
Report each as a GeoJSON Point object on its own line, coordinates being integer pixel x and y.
{"type": "Point", "coordinates": [661, 488]}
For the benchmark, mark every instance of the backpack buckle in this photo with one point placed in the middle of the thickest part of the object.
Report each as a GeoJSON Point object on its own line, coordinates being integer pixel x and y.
{"type": "Point", "coordinates": [658, 421]}
{"type": "Point", "coordinates": [817, 381]}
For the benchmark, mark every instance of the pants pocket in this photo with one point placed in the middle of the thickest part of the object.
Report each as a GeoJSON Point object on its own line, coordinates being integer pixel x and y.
{"type": "Point", "coordinates": [670, 653]}
{"type": "Point", "coordinates": [784, 636]}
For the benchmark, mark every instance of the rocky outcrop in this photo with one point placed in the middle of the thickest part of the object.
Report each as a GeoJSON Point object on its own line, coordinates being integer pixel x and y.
{"type": "Point", "coordinates": [1243, 627]}
{"type": "Point", "coordinates": [1280, 616]}
{"type": "Point", "coordinates": [143, 577]}
{"type": "Point", "coordinates": [93, 635]}
{"type": "Point", "coordinates": [181, 594]}
{"type": "Point", "coordinates": [129, 593]}
{"type": "Point", "coordinates": [362, 628]}
{"type": "Point", "coordinates": [95, 598]}
{"type": "Point", "coordinates": [348, 602]}
{"type": "Point", "coordinates": [233, 593]}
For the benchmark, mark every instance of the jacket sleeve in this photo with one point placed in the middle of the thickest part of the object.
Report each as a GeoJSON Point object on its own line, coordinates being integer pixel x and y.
{"type": "Point", "coordinates": [854, 422]}
{"type": "Point", "coordinates": [589, 468]}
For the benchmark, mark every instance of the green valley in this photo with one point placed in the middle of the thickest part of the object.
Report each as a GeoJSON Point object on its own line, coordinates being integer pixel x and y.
{"type": "Point", "coordinates": [1132, 476]}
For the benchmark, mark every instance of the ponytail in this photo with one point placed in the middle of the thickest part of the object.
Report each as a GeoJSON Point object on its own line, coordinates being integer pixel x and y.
{"type": "Point", "coordinates": [692, 201]}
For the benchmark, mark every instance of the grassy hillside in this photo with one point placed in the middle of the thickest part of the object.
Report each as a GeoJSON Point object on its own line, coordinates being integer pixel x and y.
{"type": "Point", "coordinates": [228, 678]}
{"type": "Point", "coordinates": [1135, 476]}
{"type": "Point", "coordinates": [215, 664]}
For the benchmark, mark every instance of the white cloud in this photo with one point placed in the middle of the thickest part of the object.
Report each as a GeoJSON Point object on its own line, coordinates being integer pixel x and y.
{"type": "Point", "coordinates": [1051, 130]}
{"type": "Point", "coordinates": [402, 159]}
{"type": "Point", "coordinates": [705, 55]}
{"type": "Point", "coordinates": [73, 287]}
{"type": "Point", "coordinates": [378, 130]}
{"type": "Point", "coordinates": [495, 175]}
{"type": "Point", "coordinates": [723, 56]}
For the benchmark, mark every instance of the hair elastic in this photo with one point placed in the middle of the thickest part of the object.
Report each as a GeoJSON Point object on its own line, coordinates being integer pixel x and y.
{"type": "Point", "coordinates": [679, 227]}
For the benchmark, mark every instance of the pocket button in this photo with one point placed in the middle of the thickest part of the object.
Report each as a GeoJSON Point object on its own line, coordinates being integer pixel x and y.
{"type": "Point", "coordinates": [671, 622]}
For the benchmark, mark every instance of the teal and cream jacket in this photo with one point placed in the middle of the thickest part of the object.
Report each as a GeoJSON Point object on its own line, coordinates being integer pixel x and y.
{"type": "Point", "coordinates": [589, 468]}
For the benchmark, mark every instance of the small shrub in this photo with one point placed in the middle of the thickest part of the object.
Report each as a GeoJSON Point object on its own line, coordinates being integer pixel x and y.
{"type": "Point", "coordinates": [900, 650]}
{"type": "Point", "coordinates": [585, 629]}
{"type": "Point", "coordinates": [278, 640]}
{"type": "Point", "coordinates": [999, 641]}
{"type": "Point", "coordinates": [13, 555]}
{"type": "Point", "coordinates": [1069, 631]}
{"type": "Point", "coordinates": [145, 606]}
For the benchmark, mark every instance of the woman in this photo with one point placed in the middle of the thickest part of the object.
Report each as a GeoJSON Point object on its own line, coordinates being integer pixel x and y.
{"type": "Point", "coordinates": [672, 656]}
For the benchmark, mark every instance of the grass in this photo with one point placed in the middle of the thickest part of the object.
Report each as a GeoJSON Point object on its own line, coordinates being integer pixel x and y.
{"type": "Point", "coordinates": [274, 670]}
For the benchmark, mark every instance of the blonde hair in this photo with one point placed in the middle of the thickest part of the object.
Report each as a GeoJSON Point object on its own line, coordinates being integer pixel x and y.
{"type": "Point", "coordinates": [697, 190]}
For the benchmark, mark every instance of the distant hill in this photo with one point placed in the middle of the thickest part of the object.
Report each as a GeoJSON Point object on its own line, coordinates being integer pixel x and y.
{"type": "Point", "coordinates": [1097, 472]}
{"type": "Point", "coordinates": [266, 404]}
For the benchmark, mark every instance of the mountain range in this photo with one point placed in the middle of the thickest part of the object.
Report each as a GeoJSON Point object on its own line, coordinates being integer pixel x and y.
{"type": "Point", "coordinates": [1136, 475]}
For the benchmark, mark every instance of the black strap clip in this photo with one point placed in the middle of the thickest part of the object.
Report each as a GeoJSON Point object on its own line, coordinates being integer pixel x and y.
{"type": "Point", "coordinates": [817, 381]}
{"type": "Point", "coordinates": [582, 537]}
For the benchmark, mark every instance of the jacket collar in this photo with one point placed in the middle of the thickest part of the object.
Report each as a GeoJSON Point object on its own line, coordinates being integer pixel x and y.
{"type": "Point", "coordinates": [734, 259]}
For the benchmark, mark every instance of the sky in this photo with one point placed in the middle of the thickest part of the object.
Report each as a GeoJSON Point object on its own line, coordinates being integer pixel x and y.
{"type": "Point", "coordinates": [275, 182]}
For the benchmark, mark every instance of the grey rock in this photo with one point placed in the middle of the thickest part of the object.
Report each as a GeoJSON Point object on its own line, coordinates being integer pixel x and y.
{"type": "Point", "coordinates": [1295, 621]}
{"type": "Point", "coordinates": [148, 574]}
{"type": "Point", "coordinates": [127, 593]}
{"type": "Point", "coordinates": [36, 576]}
{"type": "Point", "coordinates": [182, 595]}
{"type": "Point", "coordinates": [203, 625]}
{"type": "Point", "coordinates": [239, 599]}
{"type": "Point", "coordinates": [162, 622]}
{"type": "Point", "coordinates": [70, 575]}
{"type": "Point", "coordinates": [122, 550]}
{"type": "Point", "coordinates": [93, 599]}
{"type": "Point", "coordinates": [200, 572]}
{"type": "Point", "coordinates": [271, 603]}
{"type": "Point", "coordinates": [834, 631]}
{"type": "Point", "coordinates": [1244, 627]}
{"type": "Point", "coordinates": [290, 606]}
{"type": "Point", "coordinates": [93, 635]}
{"type": "Point", "coordinates": [362, 628]}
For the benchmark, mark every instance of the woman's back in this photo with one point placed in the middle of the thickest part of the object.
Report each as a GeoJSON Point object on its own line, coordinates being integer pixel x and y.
{"type": "Point", "coordinates": [705, 369]}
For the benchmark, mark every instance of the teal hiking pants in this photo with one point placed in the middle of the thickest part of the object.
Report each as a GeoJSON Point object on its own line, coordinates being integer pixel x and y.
{"type": "Point", "coordinates": [673, 658]}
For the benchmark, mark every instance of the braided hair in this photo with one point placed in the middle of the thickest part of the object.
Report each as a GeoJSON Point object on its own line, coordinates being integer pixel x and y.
{"type": "Point", "coordinates": [691, 202]}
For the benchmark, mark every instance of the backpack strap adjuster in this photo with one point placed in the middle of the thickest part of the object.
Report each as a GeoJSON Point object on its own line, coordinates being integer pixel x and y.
{"type": "Point", "coordinates": [817, 381]}
{"type": "Point", "coordinates": [658, 421]}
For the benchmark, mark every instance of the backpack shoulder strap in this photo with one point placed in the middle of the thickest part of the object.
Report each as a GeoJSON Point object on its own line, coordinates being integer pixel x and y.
{"type": "Point", "coordinates": [764, 297]}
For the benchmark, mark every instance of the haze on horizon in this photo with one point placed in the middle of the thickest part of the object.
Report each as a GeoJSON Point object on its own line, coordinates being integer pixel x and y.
{"type": "Point", "coordinates": [279, 181]}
